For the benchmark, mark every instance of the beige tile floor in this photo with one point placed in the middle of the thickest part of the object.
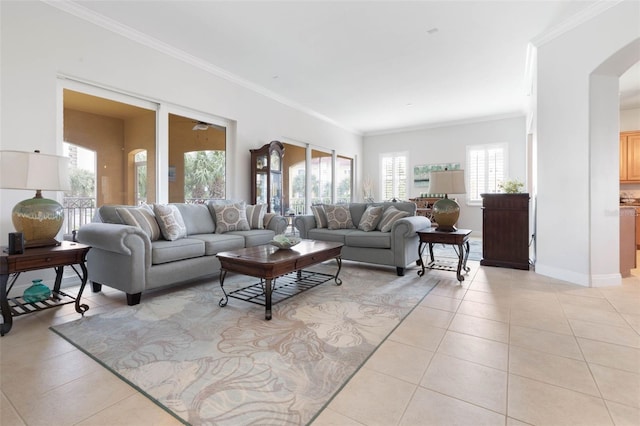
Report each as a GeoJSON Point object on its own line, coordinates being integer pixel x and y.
{"type": "Point", "coordinates": [507, 347]}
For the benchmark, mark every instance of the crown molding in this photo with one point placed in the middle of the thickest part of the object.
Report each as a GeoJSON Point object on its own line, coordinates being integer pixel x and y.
{"type": "Point", "coordinates": [95, 18]}
{"type": "Point", "coordinates": [574, 21]}
{"type": "Point", "coordinates": [474, 120]}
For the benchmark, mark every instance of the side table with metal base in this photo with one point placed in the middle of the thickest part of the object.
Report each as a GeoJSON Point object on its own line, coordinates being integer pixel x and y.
{"type": "Point", "coordinates": [57, 257]}
{"type": "Point", "coordinates": [459, 239]}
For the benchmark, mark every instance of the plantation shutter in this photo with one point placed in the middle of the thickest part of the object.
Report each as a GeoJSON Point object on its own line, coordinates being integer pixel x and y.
{"type": "Point", "coordinates": [394, 176]}
{"type": "Point", "coordinates": [486, 169]}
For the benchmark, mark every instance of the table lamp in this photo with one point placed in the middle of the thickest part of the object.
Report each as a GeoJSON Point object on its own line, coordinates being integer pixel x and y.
{"type": "Point", "coordinates": [39, 219]}
{"type": "Point", "coordinates": [446, 211]}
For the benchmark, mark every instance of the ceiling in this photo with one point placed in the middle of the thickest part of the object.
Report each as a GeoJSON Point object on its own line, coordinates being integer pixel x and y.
{"type": "Point", "coordinates": [368, 66]}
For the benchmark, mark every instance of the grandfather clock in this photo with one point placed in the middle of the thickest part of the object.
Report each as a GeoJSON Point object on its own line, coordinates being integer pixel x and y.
{"type": "Point", "coordinates": [266, 176]}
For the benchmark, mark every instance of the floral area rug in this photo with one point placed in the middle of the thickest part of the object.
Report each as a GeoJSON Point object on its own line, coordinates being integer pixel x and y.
{"type": "Point", "coordinates": [229, 366]}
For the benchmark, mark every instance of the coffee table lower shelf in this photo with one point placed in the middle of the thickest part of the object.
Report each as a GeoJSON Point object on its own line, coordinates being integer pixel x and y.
{"type": "Point", "coordinates": [284, 287]}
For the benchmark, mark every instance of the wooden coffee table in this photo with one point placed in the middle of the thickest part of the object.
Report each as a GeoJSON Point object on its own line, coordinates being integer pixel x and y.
{"type": "Point", "coordinates": [268, 263]}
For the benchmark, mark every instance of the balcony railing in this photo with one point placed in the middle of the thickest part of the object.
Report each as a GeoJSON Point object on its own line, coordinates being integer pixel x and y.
{"type": "Point", "coordinates": [77, 212]}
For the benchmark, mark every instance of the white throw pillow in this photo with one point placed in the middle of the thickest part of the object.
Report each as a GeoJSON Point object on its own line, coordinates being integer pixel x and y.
{"type": "Point", "coordinates": [143, 218]}
{"type": "Point", "coordinates": [231, 217]}
{"type": "Point", "coordinates": [370, 218]}
{"type": "Point", "coordinates": [170, 221]}
{"type": "Point", "coordinates": [338, 217]}
{"type": "Point", "coordinates": [389, 217]}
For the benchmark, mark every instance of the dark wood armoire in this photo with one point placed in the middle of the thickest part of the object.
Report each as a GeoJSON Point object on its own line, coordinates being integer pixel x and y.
{"type": "Point", "coordinates": [505, 230]}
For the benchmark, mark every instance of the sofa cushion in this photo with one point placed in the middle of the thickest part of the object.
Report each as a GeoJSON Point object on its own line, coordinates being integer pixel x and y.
{"type": "Point", "coordinates": [108, 214]}
{"type": "Point", "coordinates": [143, 218]}
{"type": "Point", "coordinates": [357, 210]}
{"type": "Point", "coordinates": [338, 217]}
{"type": "Point", "coordinates": [170, 221]}
{"type": "Point", "coordinates": [320, 216]}
{"type": "Point", "coordinates": [231, 217]}
{"type": "Point", "coordinates": [255, 237]}
{"type": "Point", "coordinates": [324, 234]}
{"type": "Point", "coordinates": [267, 219]}
{"type": "Point", "coordinates": [389, 217]}
{"type": "Point", "coordinates": [255, 215]}
{"type": "Point", "coordinates": [163, 251]}
{"type": "Point", "coordinates": [216, 243]}
{"type": "Point", "coordinates": [370, 218]}
{"type": "Point", "coordinates": [370, 239]}
{"type": "Point", "coordinates": [196, 218]}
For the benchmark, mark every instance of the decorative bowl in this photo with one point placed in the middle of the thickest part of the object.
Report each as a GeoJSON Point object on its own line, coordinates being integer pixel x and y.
{"type": "Point", "coordinates": [284, 242]}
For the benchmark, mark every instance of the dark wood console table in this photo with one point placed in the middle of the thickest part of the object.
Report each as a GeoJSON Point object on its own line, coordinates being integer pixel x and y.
{"type": "Point", "coordinates": [57, 257]}
{"type": "Point", "coordinates": [459, 238]}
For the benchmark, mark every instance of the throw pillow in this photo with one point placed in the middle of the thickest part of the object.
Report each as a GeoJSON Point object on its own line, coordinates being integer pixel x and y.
{"type": "Point", "coordinates": [338, 217]}
{"type": "Point", "coordinates": [143, 218]}
{"type": "Point", "coordinates": [319, 214]}
{"type": "Point", "coordinates": [170, 221]}
{"type": "Point", "coordinates": [389, 217]}
{"type": "Point", "coordinates": [255, 215]}
{"type": "Point", "coordinates": [370, 218]}
{"type": "Point", "coordinates": [231, 217]}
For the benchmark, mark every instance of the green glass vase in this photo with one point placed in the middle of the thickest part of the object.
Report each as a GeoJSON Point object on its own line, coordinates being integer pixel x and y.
{"type": "Point", "coordinates": [37, 292]}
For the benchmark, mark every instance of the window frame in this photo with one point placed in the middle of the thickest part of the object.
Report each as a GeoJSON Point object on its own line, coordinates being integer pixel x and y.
{"type": "Point", "coordinates": [395, 178]}
{"type": "Point", "coordinates": [470, 201]}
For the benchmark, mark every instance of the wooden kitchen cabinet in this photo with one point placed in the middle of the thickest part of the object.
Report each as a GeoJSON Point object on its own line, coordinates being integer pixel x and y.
{"type": "Point", "coordinates": [638, 228]}
{"type": "Point", "coordinates": [630, 156]}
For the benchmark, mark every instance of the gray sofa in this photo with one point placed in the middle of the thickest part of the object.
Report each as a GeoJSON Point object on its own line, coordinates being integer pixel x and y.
{"type": "Point", "coordinates": [398, 247]}
{"type": "Point", "coordinates": [126, 258]}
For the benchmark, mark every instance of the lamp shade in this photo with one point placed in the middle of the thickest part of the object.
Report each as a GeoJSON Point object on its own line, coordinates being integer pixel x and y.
{"type": "Point", "coordinates": [38, 218]}
{"type": "Point", "coordinates": [33, 170]}
{"type": "Point", "coordinates": [447, 182]}
{"type": "Point", "coordinates": [446, 211]}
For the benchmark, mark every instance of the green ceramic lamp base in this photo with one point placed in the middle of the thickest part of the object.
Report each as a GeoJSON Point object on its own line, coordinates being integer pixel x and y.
{"type": "Point", "coordinates": [39, 219]}
{"type": "Point", "coordinates": [446, 213]}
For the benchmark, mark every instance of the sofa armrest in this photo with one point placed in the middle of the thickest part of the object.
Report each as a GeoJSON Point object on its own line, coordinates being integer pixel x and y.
{"type": "Point", "coordinates": [408, 226]}
{"type": "Point", "coordinates": [278, 224]}
{"type": "Point", "coordinates": [111, 237]}
{"type": "Point", "coordinates": [304, 223]}
{"type": "Point", "coordinates": [120, 255]}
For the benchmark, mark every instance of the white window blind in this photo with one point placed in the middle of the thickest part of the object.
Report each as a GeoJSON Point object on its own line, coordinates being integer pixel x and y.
{"type": "Point", "coordinates": [486, 168]}
{"type": "Point", "coordinates": [394, 175]}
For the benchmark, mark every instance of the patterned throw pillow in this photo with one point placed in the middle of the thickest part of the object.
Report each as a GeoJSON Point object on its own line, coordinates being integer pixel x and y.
{"type": "Point", "coordinates": [370, 218]}
{"type": "Point", "coordinates": [231, 217]}
{"type": "Point", "coordinates": [143, 218]}
{"type": "Point", "coordinates": [319, 214]}
{"type": "Point", "coordinates": [338, 217]}
{"type": "Point", "coordinates": [255, 215]}
{"type": "Point", "coordinates": [170, 221]}
{"type": "Point", "coordinates": [389, 217]}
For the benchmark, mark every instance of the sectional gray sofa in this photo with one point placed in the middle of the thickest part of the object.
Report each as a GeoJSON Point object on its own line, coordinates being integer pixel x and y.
{"type": "Point", "coordinates": [135, 249]}
{"type": "Point", "coordinates": [395, 243]}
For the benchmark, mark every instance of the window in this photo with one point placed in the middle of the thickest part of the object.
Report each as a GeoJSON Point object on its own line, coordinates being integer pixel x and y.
{"type": "Point", "coordinates": [140, 175]}
{"type": "Point", "coordinates": [486, 168]}
{"type": "Point", "coordinates": [344, 167]}
{"type": "Point", "coordinates": [394, 175]}
{"type": "Point", "coordinates": [204, 176]}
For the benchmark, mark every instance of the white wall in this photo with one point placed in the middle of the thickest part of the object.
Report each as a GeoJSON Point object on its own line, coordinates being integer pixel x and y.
{"type": "Point", "coordinates": [577, 144]}
{"type": "Point", "coordinates": [448, 145]}
{"type": "Point", "coordinates": [629, 119]}
{"type": "Point", "coordinates": [40, 43]}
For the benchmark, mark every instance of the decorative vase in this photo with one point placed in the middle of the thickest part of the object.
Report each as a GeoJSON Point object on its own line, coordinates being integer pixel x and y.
{"type": "Point", "coordinates": [37, 292]}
